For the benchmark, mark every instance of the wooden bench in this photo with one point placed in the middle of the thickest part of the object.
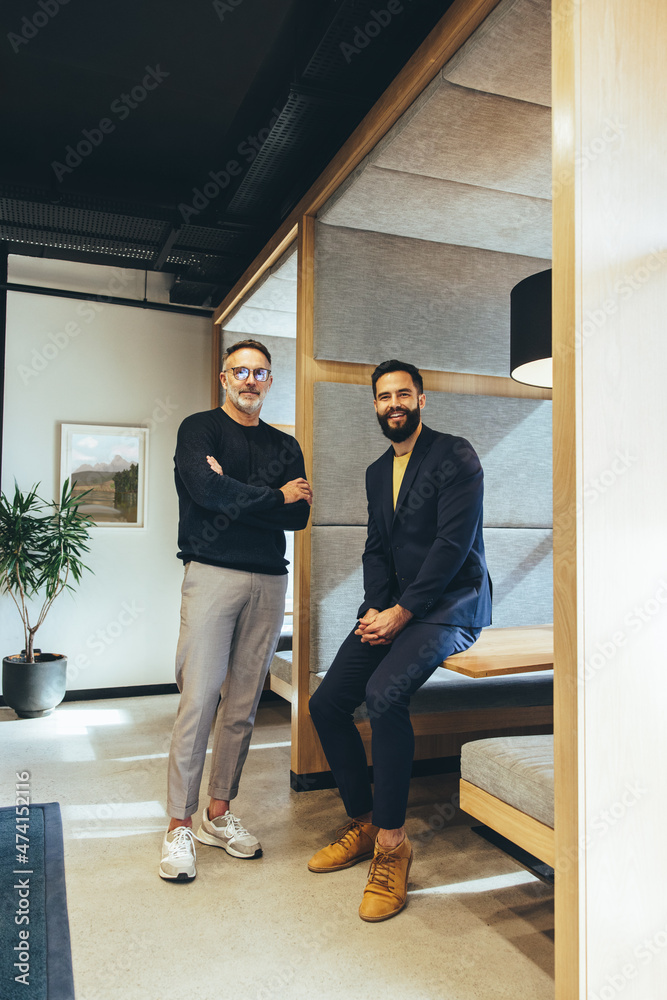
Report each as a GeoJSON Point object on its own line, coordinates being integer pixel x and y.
{"type": "Point", "coordinates": [508, 785]}
{"type": "Point", "coordinates": [492, 688]}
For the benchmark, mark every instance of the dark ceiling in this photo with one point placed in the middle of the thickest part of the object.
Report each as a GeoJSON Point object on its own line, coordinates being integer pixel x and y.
{"type": "Point", "coordinates": [176, 137]}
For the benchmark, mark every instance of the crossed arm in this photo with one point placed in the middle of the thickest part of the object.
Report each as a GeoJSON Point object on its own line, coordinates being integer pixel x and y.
{"type": "Point", "coordinates": [296, 489]}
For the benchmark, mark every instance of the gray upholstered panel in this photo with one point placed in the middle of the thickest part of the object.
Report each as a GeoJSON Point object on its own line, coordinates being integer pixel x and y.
{"type": "Point", "coordinates": [511, 436]}
{"type": "Point", "coordinates": [346, 439]}
{"type": "Point", "coordinates": [278, 407]}
{"type": "Point", "coordinates": [336, 589]}
{"type": "Point", "coordinates": [520, 562]}
{"type": "Point", "coordinates": [274, 293]}
{"type": "Point", "coordinates": [446, 307]}
{"type": "Point", "coordinates": [427, 208]}
{"type": "Point", "coordinates": [518, 770]}
{"type": "Point", "coordinates": [475, 138]}
{"type": "Point", "coordinates": [510, 53]}
{"type": "Point", "coordinates": [269, 308]}
{"type": "Point", "coordinates": [270, 322]}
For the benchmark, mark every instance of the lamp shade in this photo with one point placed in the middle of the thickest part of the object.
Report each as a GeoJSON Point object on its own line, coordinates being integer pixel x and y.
{"type": "Point", "coordinates": [530, 330]}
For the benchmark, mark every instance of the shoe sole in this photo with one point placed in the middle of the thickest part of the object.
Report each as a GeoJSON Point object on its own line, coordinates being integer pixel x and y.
{"type": "Point", "coordinates": [388, 916]}
{"type": "Point", "coordinates": [339, 868]}
{"type": "Point", "coordinates": [181, 877]}
{"type": "Point", "coordinates": [206, 838]}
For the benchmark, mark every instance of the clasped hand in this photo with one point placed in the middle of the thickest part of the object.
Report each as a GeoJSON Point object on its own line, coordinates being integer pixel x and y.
{"type": "Point", "coordinates": [380, 628]}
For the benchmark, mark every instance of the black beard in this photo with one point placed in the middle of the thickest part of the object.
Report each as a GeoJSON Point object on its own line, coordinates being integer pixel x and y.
{"type": "Point", "coordinates": [398, 434]}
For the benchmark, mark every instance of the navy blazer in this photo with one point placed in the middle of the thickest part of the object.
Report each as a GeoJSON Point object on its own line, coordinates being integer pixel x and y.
{"type": "Point", "coordinates": [428, 554]}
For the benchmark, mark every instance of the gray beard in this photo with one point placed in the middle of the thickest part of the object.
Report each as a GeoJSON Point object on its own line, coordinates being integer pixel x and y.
{"type": "Point", "coordinates": [246, 406]}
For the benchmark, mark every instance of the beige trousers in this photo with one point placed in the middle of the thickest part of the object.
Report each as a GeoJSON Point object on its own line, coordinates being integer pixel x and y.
{"type": "Point", "coordinates": [230, 626]}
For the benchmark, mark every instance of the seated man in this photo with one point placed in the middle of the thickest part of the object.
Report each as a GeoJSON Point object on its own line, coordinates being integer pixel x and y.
{"type": "Point", "coordinates": [427, 596]}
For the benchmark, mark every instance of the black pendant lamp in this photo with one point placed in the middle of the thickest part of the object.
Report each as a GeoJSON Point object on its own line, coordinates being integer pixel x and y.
{"type": "Point", "coordinates": [530, 330]}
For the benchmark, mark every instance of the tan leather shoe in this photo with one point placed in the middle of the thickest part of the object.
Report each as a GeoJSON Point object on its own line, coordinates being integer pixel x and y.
{"type": "Point", "coordinates": [354, 843]}
{"type": "Point", "coordinates": [386, 891]}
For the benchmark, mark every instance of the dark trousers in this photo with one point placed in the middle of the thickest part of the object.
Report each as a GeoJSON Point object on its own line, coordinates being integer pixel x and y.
{"type": "Point", "coordinates": [385, 677]}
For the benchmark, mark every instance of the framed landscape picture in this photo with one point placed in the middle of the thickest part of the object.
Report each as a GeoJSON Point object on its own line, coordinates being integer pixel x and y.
{"type": "Point", "coordinates": [111, 463]}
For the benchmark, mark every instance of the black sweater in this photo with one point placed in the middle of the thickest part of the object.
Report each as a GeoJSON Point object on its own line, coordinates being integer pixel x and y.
{"type": "Point", "coordinates": [237, 520]}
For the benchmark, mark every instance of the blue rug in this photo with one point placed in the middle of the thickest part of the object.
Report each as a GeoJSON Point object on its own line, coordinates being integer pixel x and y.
{"type": "Point", "coordinates": [34, 930]}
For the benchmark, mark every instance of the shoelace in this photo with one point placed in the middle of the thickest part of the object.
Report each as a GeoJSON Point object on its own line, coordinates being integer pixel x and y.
{"type": "Point", "coordinates": [183, 843]}
{"type": "Point", "coordinates": [381, 870]}
{"type": "Point", "coordinates": [237, 826]}
{"type": "Point", "coordinates": [341, 835]}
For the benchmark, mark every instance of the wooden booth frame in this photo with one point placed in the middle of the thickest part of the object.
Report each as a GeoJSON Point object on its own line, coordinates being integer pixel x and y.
{"type": "Point", "coordinates": [458, 23]}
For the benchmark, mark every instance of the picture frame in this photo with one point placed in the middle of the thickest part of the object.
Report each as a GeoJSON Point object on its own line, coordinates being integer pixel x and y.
{"type": "Point", "coordinates": [111, 462]}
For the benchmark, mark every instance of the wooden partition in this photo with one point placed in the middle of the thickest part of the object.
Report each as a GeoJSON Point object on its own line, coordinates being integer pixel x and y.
{"type": "Point", "coordinates": [610, 359]}
{"type": "Point", "coordinates": [454, 28]}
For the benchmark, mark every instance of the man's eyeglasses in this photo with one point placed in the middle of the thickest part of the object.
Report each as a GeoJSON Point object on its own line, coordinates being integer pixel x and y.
{"type": "Point", "coordinates": [241, 374]}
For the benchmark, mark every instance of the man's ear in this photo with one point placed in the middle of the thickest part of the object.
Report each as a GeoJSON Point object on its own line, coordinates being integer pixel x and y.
{"type": "Point", "coordinates": [422, 401]}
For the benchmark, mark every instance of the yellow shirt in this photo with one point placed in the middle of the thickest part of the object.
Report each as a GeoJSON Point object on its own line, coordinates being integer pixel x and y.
{"type": "Point", "coordinates": [400, 465]}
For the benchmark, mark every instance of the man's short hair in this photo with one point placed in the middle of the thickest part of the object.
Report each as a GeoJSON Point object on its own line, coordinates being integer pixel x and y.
{"type": "Point", "coordinates": [254, 344]}
{"type": "Point", "coordinates": [398, 366]}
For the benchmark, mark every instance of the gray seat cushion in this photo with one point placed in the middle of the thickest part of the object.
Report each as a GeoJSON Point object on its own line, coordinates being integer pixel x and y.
{"type": "Point", "coordinates": [518, 770]}
{"type": "Point", "coordinates": [447, 691]}
{"type": "Point", "coordinates": [281, 665]}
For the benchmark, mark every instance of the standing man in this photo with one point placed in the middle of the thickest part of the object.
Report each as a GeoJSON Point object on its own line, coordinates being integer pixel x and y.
{"type": "Point", "coordinates": [427, 596]}
{"type": "Point", "coordinates": [241, 483]}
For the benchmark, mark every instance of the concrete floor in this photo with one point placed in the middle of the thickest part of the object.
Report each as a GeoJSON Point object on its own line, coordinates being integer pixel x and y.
{"type": "Point", "coordinates": [477, 926]}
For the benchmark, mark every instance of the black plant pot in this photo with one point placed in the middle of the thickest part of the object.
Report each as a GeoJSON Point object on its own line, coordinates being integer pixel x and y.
{"type": "Point", "coordinates": [34, 689]}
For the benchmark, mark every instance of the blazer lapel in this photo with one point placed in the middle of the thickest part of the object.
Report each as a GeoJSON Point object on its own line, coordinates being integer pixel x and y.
{"type": "Point", "coordinates": [418, 454]}
{"type": "Point", "coordinates": [386, 490]}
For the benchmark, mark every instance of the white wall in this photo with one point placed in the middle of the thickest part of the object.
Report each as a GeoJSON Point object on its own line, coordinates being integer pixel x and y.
{"type": "Point", "coordinates": [115, 365]}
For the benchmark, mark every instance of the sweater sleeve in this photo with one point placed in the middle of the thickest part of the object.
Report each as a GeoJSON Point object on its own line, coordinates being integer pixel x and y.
{"type": "Point", "coordinates": [289, 516]}
{"type": "Point", "coordinates": [208, 489]}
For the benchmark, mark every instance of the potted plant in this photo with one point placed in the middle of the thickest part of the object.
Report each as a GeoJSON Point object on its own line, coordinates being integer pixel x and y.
{"type": "Point", "coordinates": [41, 548]}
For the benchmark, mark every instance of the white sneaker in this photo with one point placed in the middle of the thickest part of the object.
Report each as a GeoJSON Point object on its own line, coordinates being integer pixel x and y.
{"type": "Point", "coordinates": [228, 832]}
{"type": "Point", "coordinates": [178, 855]}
